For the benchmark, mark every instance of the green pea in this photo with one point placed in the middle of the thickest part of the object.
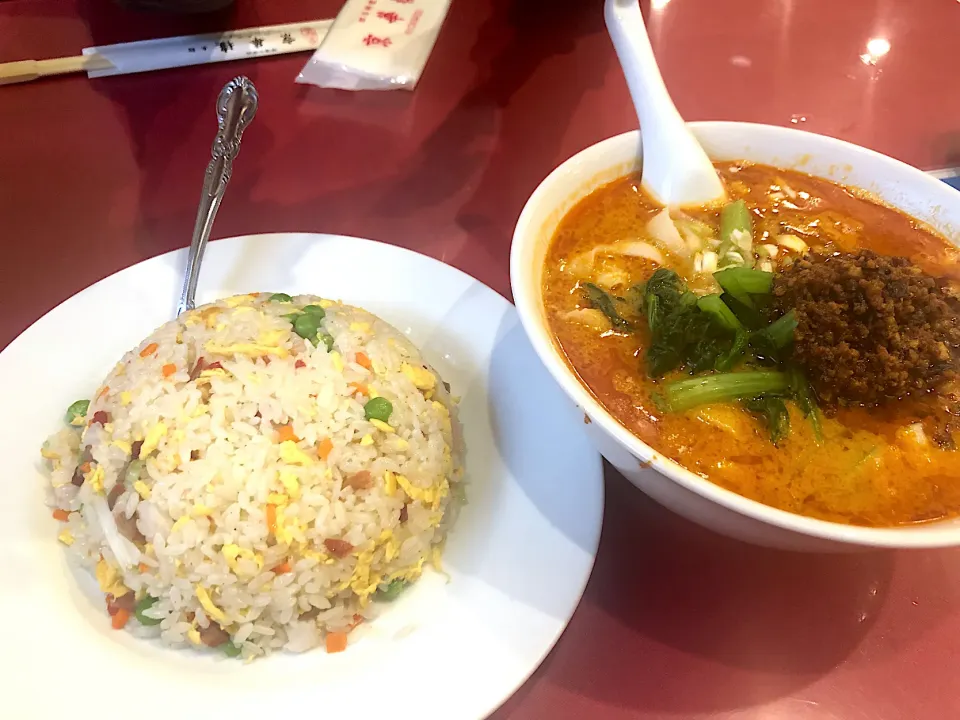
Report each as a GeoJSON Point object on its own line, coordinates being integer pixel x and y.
{"type": "Point", "coordinates": [146, 602]}
{"type": "Point", "coordinates": [77, 410]}
{"type": "Point", "coordinates": [306, 326]}
{"type": "Point", "coordinates": [316, 311]}
{"type": "Point", "coordinates": [229, 649]}
{"type": "Point", "coordinates": [392, 591]}
{"type": "Point", "coordinates": [378, 408]}
{"type": "Point", "coordinates": [280, 297]}
{"type": "Point", "coordinates": [327, 340]}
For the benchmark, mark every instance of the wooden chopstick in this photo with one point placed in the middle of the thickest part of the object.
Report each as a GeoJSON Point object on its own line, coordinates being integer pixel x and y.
{"type": "Point", "coordinates": [27, 70]}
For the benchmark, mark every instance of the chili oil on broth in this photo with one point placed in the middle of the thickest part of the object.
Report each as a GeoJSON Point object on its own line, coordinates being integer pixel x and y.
{"type": "Point", "coordinates": [871, 469]}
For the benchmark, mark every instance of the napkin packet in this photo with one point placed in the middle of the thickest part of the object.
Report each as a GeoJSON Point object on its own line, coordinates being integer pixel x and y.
{"type": "Point", "coordinates": [376, 45]}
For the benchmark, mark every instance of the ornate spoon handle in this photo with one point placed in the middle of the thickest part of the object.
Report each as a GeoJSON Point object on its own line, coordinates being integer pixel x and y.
{"type": "Point", "coordinates": [236, 107]}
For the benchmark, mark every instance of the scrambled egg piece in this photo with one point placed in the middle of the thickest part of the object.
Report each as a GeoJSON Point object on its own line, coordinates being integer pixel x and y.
{"type": "Point", "coordinates": [181, 521]}
{"type": "Point", "coordinates": [49, 454]}
{"type": "Point", "coordinates": [422, 378]}
{"type": "Point", "coordinates": [142, 490]}
{"type": "Point", "coordinates": [429, 496]}
{"type": "Point", "coordinates": [390, 546]}
{"type": "Point", "coordinates": [66, 537]}
{"type": "Point", "coordinates": [213, 612]}
{"type": "Point", "coordinates": [194, 636]}
{"type": "Point", "coordinates": [272, 337]}
{"type": "Point", "coordinates": [289, 532]}
{"type": "Point", "coordinates": [320, 557]}
{"type": "Point", "coordinates": [366, 440]}
{"type": "Point", "coordinates": [152, 439]}
{"type": "Point", "coordinates": [361, 582]}
{"type": "Point", "coordinates": [410, 574]}
{"type": "Point", "coordinates": [79, 421]}
{"type": "Point", "coordinates": [232, 553]}
{"type": "Point", "coordinates": [125, 446]}
{"type": "Point", "coordinates": [290, 453]}
{"type": "Point", "coordinates": [239, 300]}
{"type": "Point", "coordinates": [336, 360]}
{"type": "Point", "coordinates": [360, 327]}
{"type": "Point", "coordinates": [199, 510]}
{"type": "Point", "coordinates": [381, 425]}
{"type": "Point", "coordinates": [215, 372]}
{"type": "Point", "coordinates": [110, 580]}
{"type": "Point", "coordinates": [253, 350]}
{"type": "Point", "coordinates": [95, 478]}
{"type": "Point", "coordinates": [325, 304]}
{"type": "Point", "coordinates": [277, 499]}
{"type": "Point", "coordinates": [389, 483]}
{"type": "Point", "coordinates": [290, 483]}
{"type": "Point", "coordinates": [125, 397]}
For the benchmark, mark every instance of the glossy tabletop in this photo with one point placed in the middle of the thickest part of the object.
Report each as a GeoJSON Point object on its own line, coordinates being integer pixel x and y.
{"type": "Point", "coordinates": [676, 622]}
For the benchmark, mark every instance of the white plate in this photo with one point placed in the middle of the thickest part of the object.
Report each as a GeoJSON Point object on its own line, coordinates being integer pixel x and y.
{"type": "Point", "coordinates": [518, 558]}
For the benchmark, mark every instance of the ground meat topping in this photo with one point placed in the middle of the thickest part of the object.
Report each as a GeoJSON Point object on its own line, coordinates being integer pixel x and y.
{"type": "Point", "coordinates": [870, 328]}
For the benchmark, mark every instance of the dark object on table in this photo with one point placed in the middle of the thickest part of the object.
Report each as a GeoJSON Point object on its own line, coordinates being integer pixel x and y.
{"type": "Point", "coordinates": [175, 6]}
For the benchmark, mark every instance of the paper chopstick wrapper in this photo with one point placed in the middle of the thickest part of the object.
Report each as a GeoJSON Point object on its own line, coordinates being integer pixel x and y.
{"type": "Point", "coordinates": [377, 45]}
{"type": "Point", "coordinates": [188, 50]}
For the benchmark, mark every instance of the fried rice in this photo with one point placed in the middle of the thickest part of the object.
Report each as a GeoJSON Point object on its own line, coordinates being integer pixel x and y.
{"type": "Point", "coordinates": [258, 474]}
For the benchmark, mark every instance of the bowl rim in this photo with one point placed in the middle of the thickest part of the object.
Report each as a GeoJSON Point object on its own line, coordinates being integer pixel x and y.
{"type": "Point", "coordinates": [527, 298]}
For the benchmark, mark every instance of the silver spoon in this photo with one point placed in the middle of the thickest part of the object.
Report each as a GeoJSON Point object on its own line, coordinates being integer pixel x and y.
{"type": "Point", "coordinates": [236, 107]}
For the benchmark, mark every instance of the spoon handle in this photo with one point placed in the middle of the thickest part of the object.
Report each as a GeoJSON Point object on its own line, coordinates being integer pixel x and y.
{"type": "Point", "coordinates": [236, 107]}
{"type": "Point", "coordinates": [676, 170]}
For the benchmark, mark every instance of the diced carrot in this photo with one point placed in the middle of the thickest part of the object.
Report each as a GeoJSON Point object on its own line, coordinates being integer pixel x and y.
{"type": "Point", "coordinates": [363, 360]}
{"type": "Point", "coordinates": [168, 369]}
{"type": "Point", "coordinates": [120, 619]}
{"type": "Point", "coordinates": [285, 432]}
{"type": "Point", "coordinates": [299, 364]}
{"type": "Point", "coordinates": [283, 567]}
{"type": "Point", "coordinates": [149, 350]}
{"type": "Point", "coordinates": [61, 515]}
{"type": "Point", "coordinates": [272, 518]}
{"type": "Point", "coordinates": [336, 642]}
{"type": "Point", "coordinates": [359, 388]}
{"type": "Point", "coordinates": [143, 567]}
{"type": "Point", "coordinates": [324, 448]}
{"type": "Point", "coordinates": [106, 389]}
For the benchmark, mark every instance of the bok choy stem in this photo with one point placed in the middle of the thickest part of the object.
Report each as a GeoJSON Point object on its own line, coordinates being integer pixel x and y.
{"type": "Point", "coordinates": [681, 395]}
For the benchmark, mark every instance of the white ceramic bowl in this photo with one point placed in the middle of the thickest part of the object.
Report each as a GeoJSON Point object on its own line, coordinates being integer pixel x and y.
{"type": "Point", "coordinates": [895, 183]}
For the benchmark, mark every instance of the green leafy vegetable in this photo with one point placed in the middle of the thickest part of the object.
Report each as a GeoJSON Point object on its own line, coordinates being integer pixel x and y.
{"type": "Point", "coordinates": [736, 235]}
{"type": "Point", "coordinates": [145, 603]}
{"type": "Point", "coordinates": [392, 591]}
{"type": "Point", "coordinates": [773, 411]}
{"type": "Point", "coordinates": [775, 340]}
{"type": "Point", "coordinates": [315, 311]}
{"type": "Point", "coordinates": [77, 411]}
{"type": "Point", "coordinates": [327, 339]}
{"type": "Point", "coordinates": [682, 395]}
{"type": "Point", "coordinates": [602, 301]}
{"type": "Point", "coordinates": [745, 284]}
{"type": "Point", "coordinates": [378, 408]}
{"type": "Point", "coordinates": [803, 395]}
{"type": "Point", "coordinates": [280, 297]}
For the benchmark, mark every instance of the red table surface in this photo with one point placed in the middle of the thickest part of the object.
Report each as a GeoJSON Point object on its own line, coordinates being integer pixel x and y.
{"type": "Point", "coordinates": [676, 622]}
